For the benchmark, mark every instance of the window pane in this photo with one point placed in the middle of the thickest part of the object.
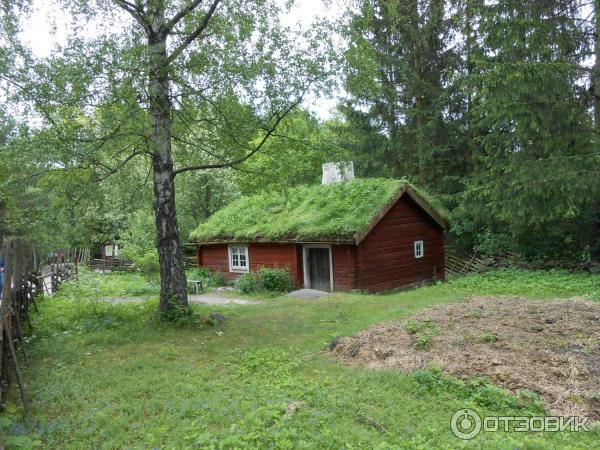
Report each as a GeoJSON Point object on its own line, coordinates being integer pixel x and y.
{"type": "Point", "coordinates": [418, 249]}
{"type": "Point", "coordinates": [239, 257]}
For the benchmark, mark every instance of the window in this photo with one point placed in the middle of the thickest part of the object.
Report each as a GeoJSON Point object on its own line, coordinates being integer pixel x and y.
{"type": "Point", "coordinates": [238, 258]}
{"type": "Point", "coordinates": [419, 249]}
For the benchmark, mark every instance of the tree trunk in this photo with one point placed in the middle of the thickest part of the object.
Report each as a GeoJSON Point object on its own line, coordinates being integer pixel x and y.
{"type": "Point", "coordinates": [418, 120]}
{"type": "Point", "coordinates": [2, 224]}
{"type": "Point", "coordinates": [420, 113]}
{"type": "Point", "coordinates": [172, 272]}
{"type": "Point", "coordinates": [596, 70]}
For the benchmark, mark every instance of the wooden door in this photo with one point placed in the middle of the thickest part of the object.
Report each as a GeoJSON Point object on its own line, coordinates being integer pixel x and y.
{"type": "Point", "coordinates": [319, 268]}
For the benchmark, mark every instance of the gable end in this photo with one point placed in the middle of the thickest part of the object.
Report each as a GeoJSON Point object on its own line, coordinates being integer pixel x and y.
{"type": "Point", "coordinates": [420, 202]}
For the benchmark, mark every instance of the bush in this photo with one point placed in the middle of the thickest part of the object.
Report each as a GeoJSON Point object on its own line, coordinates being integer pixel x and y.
{"type": "Point", "coordinates": [138, 242]}
{"type": "Point", "coordinates": [276, 280]}
{"type": "Point", "coordinates": [248, 283]}
{"type": "Point", "coordinates": [265, 280]}
{"type": "Point", "coordinates": [210, 278]}
{"type": "Point", "coordinates": [147, 263]}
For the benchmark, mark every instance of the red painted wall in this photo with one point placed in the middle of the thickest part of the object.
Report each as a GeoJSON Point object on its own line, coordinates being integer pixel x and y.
{"type": "Point", "coordinates": [344, 267]}
{"type": "Point", "coordinates": [385, 258]}
{"type": "Point", "coordinates": [277, 255]}
{"type": "Point", "coordinates": [216, 257]}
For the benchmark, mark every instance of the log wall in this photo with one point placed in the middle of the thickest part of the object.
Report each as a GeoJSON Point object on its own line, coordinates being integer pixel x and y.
{"type": "Point", "coordinates": [344, 267]}
{"type": "Point", "coordinates": [216, 257]}
{"type": "Point", "coordinates": [385, 258]}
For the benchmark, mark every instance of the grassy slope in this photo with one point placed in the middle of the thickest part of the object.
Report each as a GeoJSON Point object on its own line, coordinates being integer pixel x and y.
{"type": "Point", "coordinates": [105, 376]}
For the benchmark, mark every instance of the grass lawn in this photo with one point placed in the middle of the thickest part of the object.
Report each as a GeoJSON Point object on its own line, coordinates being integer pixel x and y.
{"type": "Point", "coordinates": [115, 376]}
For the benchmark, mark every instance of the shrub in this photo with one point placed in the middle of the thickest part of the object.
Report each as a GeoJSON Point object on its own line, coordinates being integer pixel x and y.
{"type": "Point", "coordinates": [276, 280]}
{"type": "Point", "coordinates": [147, 262]}
{"type": "Point", "coordinates": [199, 272]}
{"type": "Point", "coordinates": [138, 243]}
{"type": "Point", "coordinates": [248, 283]}
{"type": "Point", "coordinates": [210, 278]}
{"type": "Point", "coordinates": [265, 280]}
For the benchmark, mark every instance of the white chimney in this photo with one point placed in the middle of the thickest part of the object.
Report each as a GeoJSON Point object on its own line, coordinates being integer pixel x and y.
{"type": "Point", "coordinates": [336, 172]}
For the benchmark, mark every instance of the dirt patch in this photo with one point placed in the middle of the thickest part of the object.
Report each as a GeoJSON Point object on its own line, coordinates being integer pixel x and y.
{"type": "Point", "coordinates": [551, 347]}
{"type": "Point", "coordinates": [205, 299]}
{"type": "Point", "coordinates": [218, 299]}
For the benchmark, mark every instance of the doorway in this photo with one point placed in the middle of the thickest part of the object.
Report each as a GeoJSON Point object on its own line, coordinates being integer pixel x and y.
{"type": "Point", "coordinates": [318, 268]}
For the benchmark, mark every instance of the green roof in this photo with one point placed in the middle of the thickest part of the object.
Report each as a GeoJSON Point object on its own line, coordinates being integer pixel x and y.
{"type": "Point", "coordinates": [333, 212]}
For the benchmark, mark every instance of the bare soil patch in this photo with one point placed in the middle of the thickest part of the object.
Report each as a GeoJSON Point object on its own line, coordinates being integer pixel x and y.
{"type": "Point", "coordinates": [551, 347]}
{"type": "Point", "coordinates": [205, 299]}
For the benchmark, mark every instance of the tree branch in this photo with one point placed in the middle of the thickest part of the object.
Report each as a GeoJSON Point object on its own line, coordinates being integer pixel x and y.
{"type": "Point", "coordinates": [180, 15]}
{"type": "Point", "coordinates": [194, 34]}
{"type": "Point", "coordinates": [112, 170]}
{"type": "Point", "coordinates": [235, 162]}
{"type": "Point", "coordinates": [136, 11]}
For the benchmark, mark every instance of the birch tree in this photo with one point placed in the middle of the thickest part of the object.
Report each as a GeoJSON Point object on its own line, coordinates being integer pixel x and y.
{"type": "Point", "coordinates": [188, 85]}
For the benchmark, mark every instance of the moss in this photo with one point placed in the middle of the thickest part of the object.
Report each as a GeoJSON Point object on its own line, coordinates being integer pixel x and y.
{"type": "Point", "coordinates": [319, 212]}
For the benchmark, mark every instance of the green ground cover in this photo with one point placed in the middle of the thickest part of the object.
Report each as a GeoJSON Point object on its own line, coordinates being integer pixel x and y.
{"type": "Point", "coordinates": [115, 376]}
{"type": "Point", "coordinates": [332, 211]}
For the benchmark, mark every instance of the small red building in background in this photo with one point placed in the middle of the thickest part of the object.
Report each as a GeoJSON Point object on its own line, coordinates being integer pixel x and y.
{"type": "Point", "coordinates": [403, 244]}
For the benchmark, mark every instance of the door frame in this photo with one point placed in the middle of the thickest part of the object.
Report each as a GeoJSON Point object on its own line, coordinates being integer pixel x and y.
{"type": "Point", "coordinates": [305, 247]}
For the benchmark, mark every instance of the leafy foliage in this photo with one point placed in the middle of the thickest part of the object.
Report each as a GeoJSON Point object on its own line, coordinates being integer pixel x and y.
{"type": "Point", "coordinates": [207, 276]}
{"type": "Point", "coordinates": [292, 157]}
{"type": "Point", "coordinates": [404, 112]}
{"type": "Point", "coordinates": [265, 280]}
{"type": "Point", "coordinates": [10, 437]}
{"type": "Point", "coordinates": [535, 182]}
{"type": "Point", "coordinates": [422, 332]}
{"type": "Point", "coordinates": [488, 104]}
{"type": "Point", "coordinates": [138, 242]}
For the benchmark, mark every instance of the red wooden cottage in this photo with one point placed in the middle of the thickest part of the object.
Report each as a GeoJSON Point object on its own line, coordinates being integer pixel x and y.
{"type": "Point", "coordinates": [366, 234]}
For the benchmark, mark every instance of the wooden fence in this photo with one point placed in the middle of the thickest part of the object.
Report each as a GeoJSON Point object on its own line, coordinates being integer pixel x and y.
{"type": "Point", "coordinates": [20, 289]}
{"type": "Point", "coordinates": [111, 265]}
{"type": "Point", "coordinates": [463, 265]}
{"type": "Point", "coordinates": [24, 283]}
{"type": "Point", "coordinates": [50, 277]}
{"type": "Point", "coordinates": [190, 262]}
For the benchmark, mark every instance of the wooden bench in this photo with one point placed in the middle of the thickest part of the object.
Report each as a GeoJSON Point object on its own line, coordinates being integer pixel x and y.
{"type": "Point", "coordinates": [197, 285]}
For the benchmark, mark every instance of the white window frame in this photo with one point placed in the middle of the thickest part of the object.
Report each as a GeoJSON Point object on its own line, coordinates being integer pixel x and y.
{"type": "Point", "coordinates": [419, 249]}
{"type": "Point", "coordinates": [305, 247]}
{"type": "Point", "coordinates": [238, 268]}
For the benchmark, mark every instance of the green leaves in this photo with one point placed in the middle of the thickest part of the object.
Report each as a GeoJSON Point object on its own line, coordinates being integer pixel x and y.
{"type": "Point", "coordinates": [536, 166]}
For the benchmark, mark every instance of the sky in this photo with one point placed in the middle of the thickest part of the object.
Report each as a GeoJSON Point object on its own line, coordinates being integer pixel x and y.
{"type": "Point", "coordinates": [47, 26]}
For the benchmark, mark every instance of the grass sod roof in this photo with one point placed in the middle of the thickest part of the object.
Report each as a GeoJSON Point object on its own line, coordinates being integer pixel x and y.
{"type": "Point", "coordinates": [338, 212]}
